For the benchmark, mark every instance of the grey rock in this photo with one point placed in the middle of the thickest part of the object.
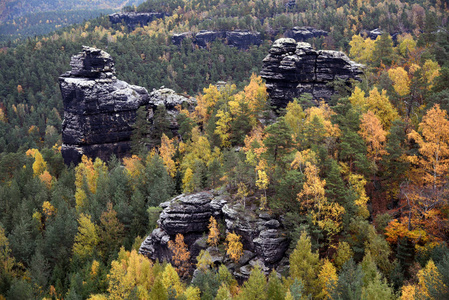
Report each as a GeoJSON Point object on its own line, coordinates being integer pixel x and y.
{"type": "Point", "coordinates": [241, 39]}
{"type": "Point", "coordinates": [99, 109]}
{"type": "Point", "coordinates": [292, 69]}
{"type": "Point", "coordinates": [301, 34]}
{"type": "Point", "coordinates": [133, 19]}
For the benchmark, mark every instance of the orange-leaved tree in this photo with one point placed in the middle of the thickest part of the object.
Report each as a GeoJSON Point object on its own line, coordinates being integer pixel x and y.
{"type": "Point", "coordinates": [181, 255]}
{"type": "Point", "coordinates": [424, 192]}
{"type": "Point", "coordinates": [214, 233]}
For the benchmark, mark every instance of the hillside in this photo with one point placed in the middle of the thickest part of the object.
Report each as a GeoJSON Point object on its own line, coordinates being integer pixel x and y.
{"type": "Point", "coordinates": [267, 150]}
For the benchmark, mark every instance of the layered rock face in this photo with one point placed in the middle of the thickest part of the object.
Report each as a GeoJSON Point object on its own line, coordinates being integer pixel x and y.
{"type": "Point", "coordinates": [301, 34]}
{"type": "Point", "coordinates": [99, 109]}
{"type": "Point", "coordinates": [263, 237]}
{"type": "Point", "coordinates": [292, 69]}
{"type": "Point", "coordinates": [240, 39]}
{"type": "Point", "coordinates": [133, 19]}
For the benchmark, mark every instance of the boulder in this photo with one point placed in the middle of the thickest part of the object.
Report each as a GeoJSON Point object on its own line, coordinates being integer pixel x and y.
{"type": "Point", "coordinates": [293, 68]}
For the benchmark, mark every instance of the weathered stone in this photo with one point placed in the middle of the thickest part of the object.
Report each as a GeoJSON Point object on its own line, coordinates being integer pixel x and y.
{"type": "Point", "coordinates": [263, 238]}
{"type": "Point", "coordinates": [292, 69]}
{"type": "Point", "coordinates": [241, 39]}
{"type": "Point", "coordinates": [133, 19]}
{"type": "Point", "coordinates": [301, 34]}
{"type": "Point", "coordinates": [99, 109]}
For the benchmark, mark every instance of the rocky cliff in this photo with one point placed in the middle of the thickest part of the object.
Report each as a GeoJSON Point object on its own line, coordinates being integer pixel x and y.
{"type": "Point", "coordinates": [133, 19]}
{"type": "Point", "coordinates": [263, 236]}
{"type": "Point", "coordinates": [240, 39]}
{"type": "Point", "coordinates": [292, 69]}
{"type": "Point", "coordinates": [100, 110]}
{"type": "Point", "coordinates": [301, 34]}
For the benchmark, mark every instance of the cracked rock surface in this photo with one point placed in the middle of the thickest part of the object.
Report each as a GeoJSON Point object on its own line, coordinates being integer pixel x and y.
{"type": "Point", "coordinates": [293, 68]}
{"type": "Point", "coordinates": [263, 236]}
{"type": "Point", "coordinates": [100, 110]}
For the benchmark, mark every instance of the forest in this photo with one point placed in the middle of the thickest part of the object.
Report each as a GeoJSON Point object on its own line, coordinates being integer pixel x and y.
{"type": "Point", "coordinates": [360, 182]}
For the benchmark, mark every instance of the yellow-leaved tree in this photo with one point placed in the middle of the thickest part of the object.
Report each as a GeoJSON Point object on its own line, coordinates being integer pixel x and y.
{"type": "Point", "coordinates": [327, 215]}
{"type": "Point", "coordinates": [401, 80]}
{"type": "Point", "coordinates": [374, 136]}
{"type": "Point", "coordinates": [86, 239]}
{"type": "Point", "coordinates": [167, 151]}
{"type": "Point", "coordinates": [234, 248]}
{"type": "Point", "coordinates": [214, 233]}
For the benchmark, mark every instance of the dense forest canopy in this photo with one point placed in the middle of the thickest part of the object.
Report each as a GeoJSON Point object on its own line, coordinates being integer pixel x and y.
{"type": "Point", "coordinates": [360, 183]}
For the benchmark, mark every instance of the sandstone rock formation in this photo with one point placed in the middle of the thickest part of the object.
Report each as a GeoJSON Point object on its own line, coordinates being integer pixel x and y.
{"type": "Point", "coordinates": [263, 236]}
{"type": "Point", "coordinates": [240, 39]}
{"type": "Point", "coordinates": [133, 19]}
{"type": "Point", "coordinates": [292, 69]}
{"type": "Point", "coordinates": [301, 34]}
{"type": "Point", "coordinates": [100, 110]}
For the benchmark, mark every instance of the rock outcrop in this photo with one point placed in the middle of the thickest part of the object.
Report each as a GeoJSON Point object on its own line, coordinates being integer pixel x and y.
{"type": "Point", "coordinates": [292, 69]}
{"type": "Point", "coordinates": [301, 34]}
{"type": "Point", "coordinates": [100, 110]}
{"type": "Point", "coordinates": [133, 19]}
{"type": "Point", "coordinates": [263, 237]}
{"type": "Point", "coordinates": [240, 39]}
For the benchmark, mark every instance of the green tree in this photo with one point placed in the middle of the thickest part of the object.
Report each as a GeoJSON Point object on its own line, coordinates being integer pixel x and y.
{"type": "Point", "coordinates": [304, 265]}
{"type": "Point", "coordinates": [255, 287]}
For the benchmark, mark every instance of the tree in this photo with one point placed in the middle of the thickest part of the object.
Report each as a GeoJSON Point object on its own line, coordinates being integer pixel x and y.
{"type": "Point", "coordinates": [181, 255]}
{"type": "Point", "coordinates": [304, 265]}
{"type": "Point", "coordinates": [429, 277]}
{"type": "Point", "coordinates": [327, 215]}
{"type": "Point", "coordinates": [275, 289]}
{"type": "Point", "coordinates": [110, 231]}
{"type": "Point", "coordinates": [428, 178]}
{"type": "Point", "coordinates": [254, 288]}
{"type": "Point", "coordinates": [375, 137]}
{"type": "Point", "coordinates": [234, 248]}
{"type": "Point", "coordinates": [214, 233]}
{"type": "Point", "coordinates": [383, 50]}
{"type": "Point", "coordinates": [327, 278]}
{"type": "Point", "coordinates": [86, 239]}
{"type": "Point", "coordinates": [167, 151]}
{"type": "Point", "coordinates": [141, 129]}
{"type": "Point", "coordinates": [401, 81]}
{"type": "Point", "coordinates": [171, 281]}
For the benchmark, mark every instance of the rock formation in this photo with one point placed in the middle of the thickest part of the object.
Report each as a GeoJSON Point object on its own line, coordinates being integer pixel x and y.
{"type": "Point", "coordinates": [301, 34]}
{"type": "Point", "coordinates": [240, 39]}
{"type": "Point", "coordinates": [292, 69]}
{"type": "Point", "coordinates": [100, 110]}
{"type": "Point", "coordinates": [133, 19]}
{"type": "Point", "coordinates": [263, 236]}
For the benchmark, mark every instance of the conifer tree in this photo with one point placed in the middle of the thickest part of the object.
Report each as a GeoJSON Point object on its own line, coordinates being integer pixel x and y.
{"type": "Point", "coordinates": [304, 265]}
